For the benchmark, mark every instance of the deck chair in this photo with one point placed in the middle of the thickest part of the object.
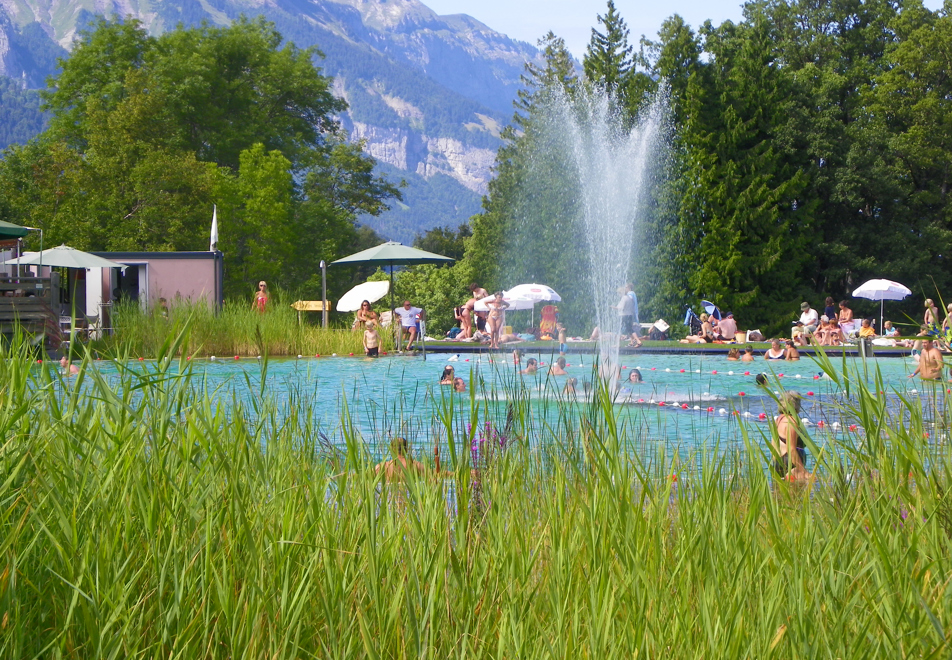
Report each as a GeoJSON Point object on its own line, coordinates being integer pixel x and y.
{"type": "Point", "coordinates": [549, 320]}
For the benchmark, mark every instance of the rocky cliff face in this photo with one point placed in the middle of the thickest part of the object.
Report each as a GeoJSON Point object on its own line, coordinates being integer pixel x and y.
{"type": "Point", "coordinates": [428, 94]}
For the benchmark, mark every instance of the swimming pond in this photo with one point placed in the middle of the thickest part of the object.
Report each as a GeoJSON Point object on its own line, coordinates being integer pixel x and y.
{"type": "Point", "coordinates": [686, 403]}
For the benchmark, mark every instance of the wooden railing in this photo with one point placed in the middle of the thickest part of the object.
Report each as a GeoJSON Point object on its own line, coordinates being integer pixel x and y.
{"type": "Point", "coordinates": [25, 304]}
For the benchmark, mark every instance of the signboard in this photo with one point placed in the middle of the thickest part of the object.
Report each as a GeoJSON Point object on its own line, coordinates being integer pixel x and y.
{"type": "Point", "coordinates": [310, 305]}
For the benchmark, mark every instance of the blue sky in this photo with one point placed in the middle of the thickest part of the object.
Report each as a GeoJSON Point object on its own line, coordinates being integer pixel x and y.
{"type": "Point", "coordinates": [527, 20]}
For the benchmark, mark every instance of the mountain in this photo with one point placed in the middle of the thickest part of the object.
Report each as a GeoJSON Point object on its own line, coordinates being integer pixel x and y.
{"type": "Point", "coordinates": [428, 94]}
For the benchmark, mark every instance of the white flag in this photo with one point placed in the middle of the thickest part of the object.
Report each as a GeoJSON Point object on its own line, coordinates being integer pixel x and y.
{"type": "Point", "coordinates": [214, 241]}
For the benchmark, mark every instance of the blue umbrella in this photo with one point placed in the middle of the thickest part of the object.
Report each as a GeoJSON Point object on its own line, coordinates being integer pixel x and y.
{"type": "Point", "coordinates": [711, 309]}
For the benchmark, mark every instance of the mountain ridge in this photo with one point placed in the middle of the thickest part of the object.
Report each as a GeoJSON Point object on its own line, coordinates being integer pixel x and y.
{"type": "Point", "coordinates": [428, 94]}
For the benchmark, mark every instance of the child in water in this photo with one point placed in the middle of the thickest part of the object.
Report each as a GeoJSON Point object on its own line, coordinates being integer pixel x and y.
{"type": "Point", "coordinates": [371, 340]}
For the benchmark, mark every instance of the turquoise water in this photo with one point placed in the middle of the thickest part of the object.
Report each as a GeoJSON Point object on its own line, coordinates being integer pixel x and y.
{"type": "Point", "coordinates": [685, 404]}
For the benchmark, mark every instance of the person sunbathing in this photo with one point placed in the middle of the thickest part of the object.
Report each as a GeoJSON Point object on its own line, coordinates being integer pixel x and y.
{"type": "Point", "coordinates": [834, 336]}
{"type": "Point", "coordinates": [822, 333]}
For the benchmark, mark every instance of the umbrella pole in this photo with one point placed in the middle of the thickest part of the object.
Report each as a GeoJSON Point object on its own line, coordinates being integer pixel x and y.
{"type": "Point", "coordinates": [881, 316]}
{"type": "Point", "coordinates": [393, 317]}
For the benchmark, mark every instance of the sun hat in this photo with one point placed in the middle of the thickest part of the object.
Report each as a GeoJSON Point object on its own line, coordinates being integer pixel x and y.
{"type": "Point", "coordinates": [804, 306]}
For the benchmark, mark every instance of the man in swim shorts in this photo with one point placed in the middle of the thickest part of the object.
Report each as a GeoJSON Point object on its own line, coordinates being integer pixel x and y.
{"type": "Point", "coordinates": [930, 361]}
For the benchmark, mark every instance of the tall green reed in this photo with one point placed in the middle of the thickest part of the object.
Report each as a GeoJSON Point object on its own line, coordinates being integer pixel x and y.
{"type": "Point", "coordinates": [233, 330]}
{"type": "Point", "coordinates": [143, 515]}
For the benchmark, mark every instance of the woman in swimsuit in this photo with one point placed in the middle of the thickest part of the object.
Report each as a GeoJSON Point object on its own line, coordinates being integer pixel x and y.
{"type": "Point", "coordinates": [775, 352]}
{"type": "Point", "coordinates": [791, 354]}
{"type": "Point", "coordinates": [846, 318]}
{"type": "Point", "coordinates": [789, 449]}
{"type": "Point", "coordinates": [364, 314]}
{"type": "Point", "coordinates": [261, 297]}
{"type": "Point", "coordinates": [496, 309]}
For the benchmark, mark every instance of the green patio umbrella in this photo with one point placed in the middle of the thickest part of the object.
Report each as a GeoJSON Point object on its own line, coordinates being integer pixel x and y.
{"type": "Point", "coordinates": [392, 254]}
{"type": "Point", "coordinates": [10, 230]}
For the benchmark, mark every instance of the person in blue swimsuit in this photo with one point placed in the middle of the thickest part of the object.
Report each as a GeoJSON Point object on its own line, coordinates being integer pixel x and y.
{"type": "Point", "coordinates": [775, 352]}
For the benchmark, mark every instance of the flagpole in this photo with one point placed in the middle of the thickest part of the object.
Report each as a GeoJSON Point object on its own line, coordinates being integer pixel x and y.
{"type": "Point", "coordinates": [213, 239]}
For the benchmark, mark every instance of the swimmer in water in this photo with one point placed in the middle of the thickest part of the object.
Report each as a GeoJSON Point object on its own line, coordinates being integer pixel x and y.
{"type": "Point", "coordinates": [446, 378]}
{"type": "Point", "coordinates": [69, 369]}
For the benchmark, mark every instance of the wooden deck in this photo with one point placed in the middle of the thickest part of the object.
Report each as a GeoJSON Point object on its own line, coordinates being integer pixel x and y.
{"type": "Point", "coordinates": [26, 306]}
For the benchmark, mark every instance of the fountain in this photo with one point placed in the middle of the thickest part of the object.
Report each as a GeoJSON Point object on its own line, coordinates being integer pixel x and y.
{"type": "Point", "coordinates": [590, 168]}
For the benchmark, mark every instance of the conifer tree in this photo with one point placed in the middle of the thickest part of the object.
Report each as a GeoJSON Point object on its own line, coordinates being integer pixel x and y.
{"type": "Point", "coordinates": [608, 57]}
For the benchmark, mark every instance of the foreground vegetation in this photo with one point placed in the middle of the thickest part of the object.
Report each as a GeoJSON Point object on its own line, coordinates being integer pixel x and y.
{"type": "Point", "coordinates": [141, 517]}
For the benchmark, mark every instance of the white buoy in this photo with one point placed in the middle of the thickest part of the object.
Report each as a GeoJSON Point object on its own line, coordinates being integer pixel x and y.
{"type": "Point", "coordinates": [835, 425]}
{"type": "Point", "coordinates": [697, 407]}
{"type": "Point", "coordinates": [259, 357]}
{"type": "Point", "coordinates": [915, 391]}
{"type": "Point", "coordinates": [668, 370]}
{"type": "Point", "coordinates": [213, 357]}
{"type": "Point", "coordinates": [697, 371]}
{"type": "Point", "coordinates": [797, 376]}
{"type": "Point", "coordinates": [300, 356]}
{"type": "Point", "coordinates": [730, 373]}
{"type": "Point", "coordinates": [333, 354]}
{"type": "Point", "coordinates": [805, 421]}
{"type": "Point", "coordinates": [722, 411]}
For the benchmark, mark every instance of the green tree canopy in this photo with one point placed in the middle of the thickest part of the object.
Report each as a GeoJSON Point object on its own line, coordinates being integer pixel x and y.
{"type": "Point", "coordinates": [147, 133]}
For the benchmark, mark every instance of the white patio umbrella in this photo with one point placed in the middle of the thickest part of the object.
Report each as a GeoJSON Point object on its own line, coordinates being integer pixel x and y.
{"type": "Point", "coordinates": [881, 290]}
{"type": "Point", "coordinates": [514, 303]}
{"type": "Point", "coordinates": [524, 296]}
{"type": "Point", "coordinates": [64, 257]}
{"type": "Point", "coordinates": [369, 291]}
{"type": "Point", "coordinates": [536, 292]}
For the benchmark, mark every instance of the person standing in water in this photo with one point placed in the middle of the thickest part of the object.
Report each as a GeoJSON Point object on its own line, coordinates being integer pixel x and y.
{"type": "Point", "coordinates": [261, 297]}
{"type": "Point", "coordinates": [371, 340]}
{"type": "Point", "coordinates": [402, 465]}
{"type": "Point", "coordinates": [790, 452]}
{"type": "Point", "coordinates": [930, 361]}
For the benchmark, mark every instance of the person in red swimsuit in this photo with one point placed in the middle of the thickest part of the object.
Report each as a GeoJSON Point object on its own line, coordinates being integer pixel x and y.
{"type": "Point", "coordinates": [261, 297]}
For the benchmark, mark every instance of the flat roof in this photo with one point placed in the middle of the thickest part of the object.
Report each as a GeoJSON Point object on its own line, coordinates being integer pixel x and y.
{"type": "Point", "coordinates": [118, 256]}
